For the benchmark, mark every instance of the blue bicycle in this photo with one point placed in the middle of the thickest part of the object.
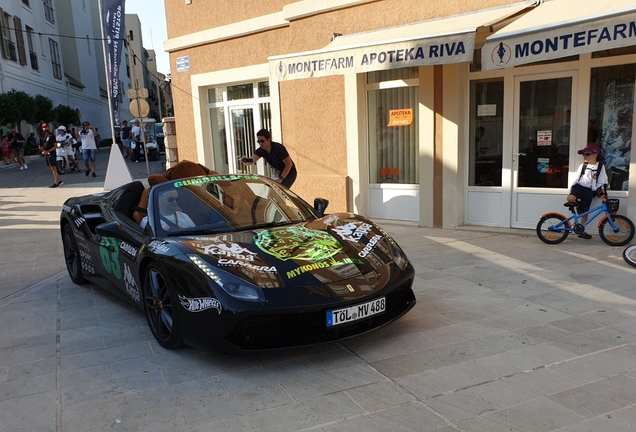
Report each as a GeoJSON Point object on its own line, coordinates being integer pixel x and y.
{"type": "Point", "coordinates": [614, 229]}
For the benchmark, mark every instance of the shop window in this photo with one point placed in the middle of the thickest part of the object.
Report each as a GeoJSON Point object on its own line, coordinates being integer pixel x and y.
{"type": "Point", "coordinates": [263, 89]}
{"type": "Point", "coordinates": [544, 133]}
{"type": "Point", "coordinates": [611, 117]}
{"type": "Point", "coordinates": [241, 91]}
{"type": "Point", "coordinates": [486, 126]}
{"type": "Point", "coordinates": [393, 135]}
{"type": "Point", "coordinates": [392, 75]}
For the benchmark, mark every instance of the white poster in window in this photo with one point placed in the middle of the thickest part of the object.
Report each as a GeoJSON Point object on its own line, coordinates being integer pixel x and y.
{"type": "Point", "coordinates": [487, 110]}
{"type": "Point", "coordinates": [544, 138]}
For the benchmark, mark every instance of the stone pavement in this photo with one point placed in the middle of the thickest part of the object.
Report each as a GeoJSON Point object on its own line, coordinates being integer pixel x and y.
{"type": "Point", "coordinates": [508, 334]}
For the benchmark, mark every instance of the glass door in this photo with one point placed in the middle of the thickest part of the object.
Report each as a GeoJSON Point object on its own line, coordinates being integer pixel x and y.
{"type": "Point", "coordinates": [544, 111]}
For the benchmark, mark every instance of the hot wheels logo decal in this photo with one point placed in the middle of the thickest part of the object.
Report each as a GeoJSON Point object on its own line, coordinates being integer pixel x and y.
{"type": "Point", "coordinates": [200, 304]}
{"type": "Point", "coordinates": [298, 243]}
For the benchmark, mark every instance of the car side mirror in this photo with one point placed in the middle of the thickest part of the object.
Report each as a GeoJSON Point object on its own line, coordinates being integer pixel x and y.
{"type": "Point", "coordinates": [320, 205]}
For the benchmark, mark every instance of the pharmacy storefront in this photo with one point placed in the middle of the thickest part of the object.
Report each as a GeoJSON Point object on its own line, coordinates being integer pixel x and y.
{"type": "Point", "coordinates": [477, 119]}
{"type": "Point", "coordinates": [559, 77]}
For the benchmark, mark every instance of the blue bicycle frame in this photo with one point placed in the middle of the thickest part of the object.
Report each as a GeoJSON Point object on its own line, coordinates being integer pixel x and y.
{"type": "Point", "coordinates": [594, 212]}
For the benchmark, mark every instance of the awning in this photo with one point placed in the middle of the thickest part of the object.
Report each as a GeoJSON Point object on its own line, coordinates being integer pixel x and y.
{"type": "Point", "coordinates": [561, 28]}
{"type": "Point", "coordinates": [439, 41]}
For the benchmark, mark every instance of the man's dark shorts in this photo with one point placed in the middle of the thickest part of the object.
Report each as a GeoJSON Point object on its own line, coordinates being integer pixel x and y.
{"type": "Point", "coordinates": [51, 159]}
{"type": "Point", "coordinates": [585, 195]}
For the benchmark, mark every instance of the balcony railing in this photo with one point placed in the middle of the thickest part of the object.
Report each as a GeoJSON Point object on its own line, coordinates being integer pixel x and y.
{"type": "Point", "coordinates": [34, 60]}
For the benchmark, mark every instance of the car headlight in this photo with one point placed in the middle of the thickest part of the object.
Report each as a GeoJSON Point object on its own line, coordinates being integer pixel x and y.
{"type": "Point", "coordinates": [229, 283]}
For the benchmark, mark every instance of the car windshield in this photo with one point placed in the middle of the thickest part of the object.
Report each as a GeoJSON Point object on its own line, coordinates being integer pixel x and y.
{"type": "Point", "coordinates": [224, 203]}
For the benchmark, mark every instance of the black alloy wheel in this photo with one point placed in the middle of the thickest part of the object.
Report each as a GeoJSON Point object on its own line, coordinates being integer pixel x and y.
{"type": "Point", "coordinates": [72, 256]}
{"type": "Point", "coordinates": [160, 309]}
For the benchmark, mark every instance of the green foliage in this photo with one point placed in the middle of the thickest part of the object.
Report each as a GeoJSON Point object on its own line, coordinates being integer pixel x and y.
{"type": "Point", "coordinates": [16, 106]}
{"type": "Point", "coordinates": [43, 109]}
{"type": "Point", "coordinates": [64, 115]}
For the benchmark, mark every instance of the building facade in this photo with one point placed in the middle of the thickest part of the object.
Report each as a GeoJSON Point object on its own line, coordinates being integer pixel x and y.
{"type": "Point", "coordinates": [445, 113]}
{"type": "Point", "coordinates": [54, 49]}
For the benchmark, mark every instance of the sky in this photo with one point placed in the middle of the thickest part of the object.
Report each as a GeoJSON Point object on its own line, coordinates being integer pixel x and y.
{"type": "Point", "coordinates": [153, 27]}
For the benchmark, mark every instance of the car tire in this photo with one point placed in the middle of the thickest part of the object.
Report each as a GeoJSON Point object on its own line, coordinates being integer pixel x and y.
{"type": "Point", "coordinates": [72, 256]}
{"type": "Point", "coordinates": [160, 308]}
{"type": "Point", "coordinates": [154, 155]}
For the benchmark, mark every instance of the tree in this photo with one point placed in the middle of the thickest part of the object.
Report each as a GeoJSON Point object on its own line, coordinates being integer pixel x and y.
{"type": "Point", "coordinates": [65, 115]}
{"type": "Point", "coordinates": [43, 109]}
{"type": "Point", "coordinates": [16, 106]}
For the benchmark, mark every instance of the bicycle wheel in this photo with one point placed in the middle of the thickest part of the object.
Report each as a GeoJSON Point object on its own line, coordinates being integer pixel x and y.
{"type": "Point", "coordinates": [625, 232]}
{"type": "Point", "coordinates": [546, 235]}
{"type": "Point", "coordinates": [629, 255]}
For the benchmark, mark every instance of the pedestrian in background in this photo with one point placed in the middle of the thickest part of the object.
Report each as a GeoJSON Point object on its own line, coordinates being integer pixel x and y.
{"type": "Point", "coordinates": [16, 141]}
{"type": "Point", "coordinates": [276, 155]}
{"type": "Point", "coordinates": [124, 134]}
{"type": "Point", "coordinates": [32, 142]}
{"type": "Point", "coordinates": [67, 140]}
{"type": "Point", "coordinates": [139, 135]}
{"type": "Point", "coordinates": [98, 137]}
{"type": "Point", "coordinates": [89, 148]}
{"type": "Point", "coordinates": [48, 150]}
{"type": "Point", "coordinates": [6, 150]}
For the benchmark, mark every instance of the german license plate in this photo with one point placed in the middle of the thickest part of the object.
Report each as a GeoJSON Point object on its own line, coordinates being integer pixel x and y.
{"type": "Point", "coordinates": [355, 313]}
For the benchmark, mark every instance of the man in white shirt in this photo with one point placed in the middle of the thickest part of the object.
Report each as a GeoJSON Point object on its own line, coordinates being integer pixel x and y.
{"type": "Point", "coordinates": [89, 148]}
{"type": "Point", "coordinates": [138, 135]}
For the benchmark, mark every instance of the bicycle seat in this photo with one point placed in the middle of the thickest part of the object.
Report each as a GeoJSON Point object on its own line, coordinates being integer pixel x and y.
{"type": "Point", "coordinates": [572, 205]}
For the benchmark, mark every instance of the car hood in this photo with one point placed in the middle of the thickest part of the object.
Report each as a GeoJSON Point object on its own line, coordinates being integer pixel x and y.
{"type": "Point", "coordinates": [345, 251]}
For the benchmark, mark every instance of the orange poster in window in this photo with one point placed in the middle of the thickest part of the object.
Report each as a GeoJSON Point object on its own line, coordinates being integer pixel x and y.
{"type": "Point", "coordinates": [400, 117]}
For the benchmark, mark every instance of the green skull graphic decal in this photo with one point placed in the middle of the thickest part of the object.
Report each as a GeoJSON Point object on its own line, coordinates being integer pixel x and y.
{"type": "Point", "coordinates": [298, 243]}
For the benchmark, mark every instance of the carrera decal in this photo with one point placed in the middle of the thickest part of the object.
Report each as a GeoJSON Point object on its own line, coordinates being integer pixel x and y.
{"type": "Point", "coordinates": [87, 262]}
{"type": "Point", "coordinates": [298, 243]}
{"type": "Point", "coordinates": [199, 304]}
{"type": "Point", "coordinates": [239, 263]}
{"type": "Point", "coordinates": [129, 250]}
{"type": "Point", "coordinates": [321, 265]}
{"type": "Point", "coordinates": [353, 231]}
{"type": "Point", "coordinates": [202, 180]}
{"type": "Point", "coordinates": [109, 252]}
{"type": "Point", "coordinates": [369, 246]}
{"type": "Point", "coordinates": [131, 285]}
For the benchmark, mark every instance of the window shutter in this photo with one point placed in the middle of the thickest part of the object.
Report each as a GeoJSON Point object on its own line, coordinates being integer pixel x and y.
{"type": "Point", "coordinates": [19, 36]}
{"type": "Point", "coordinates": [5, 45]}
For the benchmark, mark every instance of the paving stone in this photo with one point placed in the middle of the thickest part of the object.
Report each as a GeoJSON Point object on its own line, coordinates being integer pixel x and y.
{"type": "Point", "coordinates": [261, 376]}
{"type": "Point", "coordinates": [379, 396]}
{"type": "Point", "coordinates": [27, 387]}
{"type": "Point", "coordinates": [36, 412]}
{"type": "Point", "coordinates": [622, 420]}
{"type": "Point", "coordinates": [387, 348]}
{"type": "Point", "coordinates": [31, 369]}
{"type": "Point", "coordinates": [598, 397]}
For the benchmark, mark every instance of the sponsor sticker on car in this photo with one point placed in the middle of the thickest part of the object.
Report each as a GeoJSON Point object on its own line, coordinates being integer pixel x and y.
{"type": "Point", "coordinates": [356, 312]}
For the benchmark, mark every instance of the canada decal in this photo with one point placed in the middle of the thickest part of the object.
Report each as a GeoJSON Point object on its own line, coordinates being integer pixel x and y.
{"type": "Point", "coordinates": [298, 243]}
{"type": "Point", "coordinates": [199, 304]}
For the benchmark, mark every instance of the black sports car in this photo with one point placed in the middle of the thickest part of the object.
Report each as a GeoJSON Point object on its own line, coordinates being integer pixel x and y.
{"type": "Point", "coordinates": [237, 262]}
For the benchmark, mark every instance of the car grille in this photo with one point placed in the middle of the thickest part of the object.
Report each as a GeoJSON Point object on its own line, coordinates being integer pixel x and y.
{"type": "Point", "coordinates": [286, 330]}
